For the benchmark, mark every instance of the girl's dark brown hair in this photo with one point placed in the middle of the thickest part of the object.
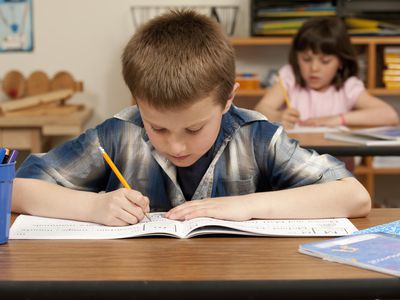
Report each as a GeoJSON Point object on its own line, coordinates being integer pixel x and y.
{"type": "Point", "coordinates": [325, 35]}
{"type": "Point", "coordinates": [179, 58]}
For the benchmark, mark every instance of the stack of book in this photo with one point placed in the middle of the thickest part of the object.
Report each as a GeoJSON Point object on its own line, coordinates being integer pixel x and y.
{"type": "Point", "coordinates": [278, 19]}
{"type": "Point", "coordinates": [391, 74]}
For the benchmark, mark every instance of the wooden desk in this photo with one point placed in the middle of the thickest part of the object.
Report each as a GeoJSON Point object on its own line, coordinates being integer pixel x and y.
{"type": "Point", "coordinates": [197, 268]}
{"type": "Point", "coordinates": [31, 133]}
{"type": "Point", "coordinates": [317, 142]}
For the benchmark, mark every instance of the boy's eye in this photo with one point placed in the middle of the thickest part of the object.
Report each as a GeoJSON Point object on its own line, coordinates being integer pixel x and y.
{"type": "Point", "coordinates": [326, 61]}
{"type": "Point", "coordinates": [157, 129]}
{"type": "Point", "coordinates": [194, 131]}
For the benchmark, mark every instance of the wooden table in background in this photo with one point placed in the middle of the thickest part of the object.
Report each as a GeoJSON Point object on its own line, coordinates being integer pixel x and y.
{"type": "Point", "coordinates": [317, 142]}
{"type": "Point", "coordinates": [228, 267]}
{"type": "Point", "coordinates": [32, 132]}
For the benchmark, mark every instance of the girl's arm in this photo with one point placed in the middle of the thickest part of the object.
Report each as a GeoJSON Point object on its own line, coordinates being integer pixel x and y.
{"type": "Point", "coordinates": [371, 111]}
{"type": "Point", "coordinates": [368, 111]}
{"type": "Point", "coordinates": [117, 208]}
{"type": "Point", "coordinates": [271, 106]}
{"type": "Point", "coordinates": [341, 198]}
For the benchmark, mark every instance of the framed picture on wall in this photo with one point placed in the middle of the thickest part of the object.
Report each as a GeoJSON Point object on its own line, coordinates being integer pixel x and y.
{"type": "Point", "coordinates": [16, 25]}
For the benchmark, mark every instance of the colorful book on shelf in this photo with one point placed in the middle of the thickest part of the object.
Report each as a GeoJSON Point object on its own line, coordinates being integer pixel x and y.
{"type": "Point", "coordinates": [323, 9]}
{"type": "Point", "coordinates": [391, 72]}
{"type": "Point", "coordinates": [393, 66]}
{"type": "Point", "coordinates": [392, 78]}
{"type": "Point", "coordinates": [297, 14]}
{"type": "Point", "coordinates": [373, 251]}
{"type": "Point", "coordinates": [377, 136]}
{"type": "Point", "coordinates": [392, 85]}
{"type": "Point", "coordinates": [280, 24]}
{"type": "Point", "coordinates": [286, 31]}
{"type": "Point", "coordinates": [360, 26]}
{"type": "Point", "coordinates": [352, 22]}
{"type": "Point", "coordinates": [31, 227]}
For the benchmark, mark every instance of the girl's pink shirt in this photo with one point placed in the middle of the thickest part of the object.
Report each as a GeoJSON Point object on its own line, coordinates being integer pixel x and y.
{"type": "Point", "coordinates": [313, 104]}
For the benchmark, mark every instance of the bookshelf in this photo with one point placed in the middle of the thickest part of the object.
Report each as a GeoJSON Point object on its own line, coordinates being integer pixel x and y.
{"type": "Point", "coordinates": [372, 47]}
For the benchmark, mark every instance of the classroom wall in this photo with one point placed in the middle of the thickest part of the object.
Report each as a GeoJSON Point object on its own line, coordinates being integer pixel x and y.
{"type": "Point", "coordinates": [86, 38]}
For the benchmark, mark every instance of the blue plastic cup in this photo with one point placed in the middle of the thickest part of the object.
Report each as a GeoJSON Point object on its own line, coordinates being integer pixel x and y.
{"type": "Point", "coordinates": [7, 174]}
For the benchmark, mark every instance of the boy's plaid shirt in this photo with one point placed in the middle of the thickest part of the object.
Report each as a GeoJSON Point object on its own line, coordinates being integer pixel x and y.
{"type": "Point", "coordinates": [250, 155]}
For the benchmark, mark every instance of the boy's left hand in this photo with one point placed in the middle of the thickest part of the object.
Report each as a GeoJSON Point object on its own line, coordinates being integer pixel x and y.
{"type": "Point", "coordinates": [233, 208]}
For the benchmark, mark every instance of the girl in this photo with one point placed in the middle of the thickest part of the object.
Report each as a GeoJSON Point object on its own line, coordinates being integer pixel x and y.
{"type": "Point", "coordinates": [321, 82]}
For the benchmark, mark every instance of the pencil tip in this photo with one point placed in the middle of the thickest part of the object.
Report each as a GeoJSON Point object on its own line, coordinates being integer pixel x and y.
{"type": "Point", "coordinates": [101, 149]}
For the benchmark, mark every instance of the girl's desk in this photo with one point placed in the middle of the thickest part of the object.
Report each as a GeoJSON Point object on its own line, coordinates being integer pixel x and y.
{"type": "Point", "coordinates": [32, 132]}
{"type": "Point", "coordinates": [196, 268]}
{"type": "Point", "coordinates": [317, 142]}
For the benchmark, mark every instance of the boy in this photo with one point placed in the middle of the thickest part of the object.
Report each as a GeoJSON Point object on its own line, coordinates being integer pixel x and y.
{"type": "Point", "coordinates": [185, 141]}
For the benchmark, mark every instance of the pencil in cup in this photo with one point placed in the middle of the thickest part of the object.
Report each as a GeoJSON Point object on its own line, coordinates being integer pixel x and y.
{"type": "Point", "coordinates": [285, 95]}
{"type": "Point", "coordinates": [117, 173]}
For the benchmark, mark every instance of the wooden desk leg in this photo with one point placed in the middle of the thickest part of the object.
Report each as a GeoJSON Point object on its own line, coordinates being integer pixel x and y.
{"type": "Point", "coordinates": [36, 141]}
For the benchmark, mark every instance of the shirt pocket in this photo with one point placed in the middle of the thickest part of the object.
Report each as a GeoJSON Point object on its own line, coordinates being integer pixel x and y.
{"type": "Point", "coordinates": [240, 186]}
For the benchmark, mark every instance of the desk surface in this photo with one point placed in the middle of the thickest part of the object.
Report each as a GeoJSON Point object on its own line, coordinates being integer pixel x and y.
{"type": "Point", "coordinates": [203, 267]}
{"type": "Point", "coordinates": [317, 142]}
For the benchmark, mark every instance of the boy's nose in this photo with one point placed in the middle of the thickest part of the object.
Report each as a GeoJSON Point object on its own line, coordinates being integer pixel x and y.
{"type": "Point", "coordinates": [177, 148]}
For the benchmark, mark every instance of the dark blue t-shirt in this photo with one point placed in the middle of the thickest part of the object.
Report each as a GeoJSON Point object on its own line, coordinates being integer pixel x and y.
{"type": "Point", "coordinates": [190, 177]}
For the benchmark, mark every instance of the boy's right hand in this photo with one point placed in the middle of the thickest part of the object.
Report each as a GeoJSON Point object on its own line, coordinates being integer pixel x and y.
{"type": "Point", "coordinates": [290, 116]}
{"type": "Point", "coordinates": [120, 207]}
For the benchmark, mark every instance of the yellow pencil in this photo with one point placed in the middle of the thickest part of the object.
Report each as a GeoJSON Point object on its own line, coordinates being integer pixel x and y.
{"type": "Point", "coordinates": [117, 172]}
{"type": "Point", "coordinates": [285, 95]}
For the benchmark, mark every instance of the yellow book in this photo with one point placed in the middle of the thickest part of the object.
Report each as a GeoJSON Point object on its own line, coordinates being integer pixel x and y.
{"type": "Point", "coordinates": [282, 24]}
{"type": "Point", "coordinates": [391, 78]}
{"type": "Point", "coordinates": [361, 23]}
{"type": "Point", "coordinates": [287, 31]}
{"type": "Point", "coordinates": [390, 72]}
{"type": "Point", "coordinates": [291, 14]}
{"type": "Point", "coordinates": [391, 60]}
{"type": "Point", "coordinates": [392, 85]}
{"type": "Point", "coordinates": [393, 66]}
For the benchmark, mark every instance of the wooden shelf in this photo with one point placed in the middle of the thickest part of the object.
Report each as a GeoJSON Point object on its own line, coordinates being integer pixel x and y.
{"type": "Point", "coordinates": [376, 92]}
{"type": "Point", "coordinates": [357, 40]}
{"type": "Point", "coordinates": [384, 92]}
{"type": "Point", "coordinates": [251, 93]}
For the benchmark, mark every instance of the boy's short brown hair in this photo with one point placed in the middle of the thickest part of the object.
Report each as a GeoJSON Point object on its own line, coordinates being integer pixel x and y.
{"type": "Point", "coordinates": [178, 58]}
{"type": "Point", "coordinates": [327, 35]}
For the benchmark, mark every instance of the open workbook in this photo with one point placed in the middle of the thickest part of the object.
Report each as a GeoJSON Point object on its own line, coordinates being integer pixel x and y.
{"type": "Point", "coordinates": [31, 227]}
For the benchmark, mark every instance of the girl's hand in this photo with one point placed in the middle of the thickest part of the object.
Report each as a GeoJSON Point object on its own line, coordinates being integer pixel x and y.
{"type": "Point", "coordinates": [120, 207]}
{"type": "Point", "coordinates": [234, 208]}
{"type": "Point", "coordinates": [323, 121]}
{"type": "Point", "coordinates": [290, 116]}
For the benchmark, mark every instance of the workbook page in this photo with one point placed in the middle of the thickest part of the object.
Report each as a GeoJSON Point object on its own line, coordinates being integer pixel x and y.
{"type": "Point", "coordinates": [303, 227]}
{"type": "Point", "coordinates": [31, 227]}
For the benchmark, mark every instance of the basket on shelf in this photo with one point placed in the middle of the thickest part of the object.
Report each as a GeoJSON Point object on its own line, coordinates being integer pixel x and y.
{"type": "Point", "coordinates": [224, 15]}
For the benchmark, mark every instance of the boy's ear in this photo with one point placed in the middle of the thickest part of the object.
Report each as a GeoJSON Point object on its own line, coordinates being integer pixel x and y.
{"type": "Point", "coordinates": [232, 96]}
